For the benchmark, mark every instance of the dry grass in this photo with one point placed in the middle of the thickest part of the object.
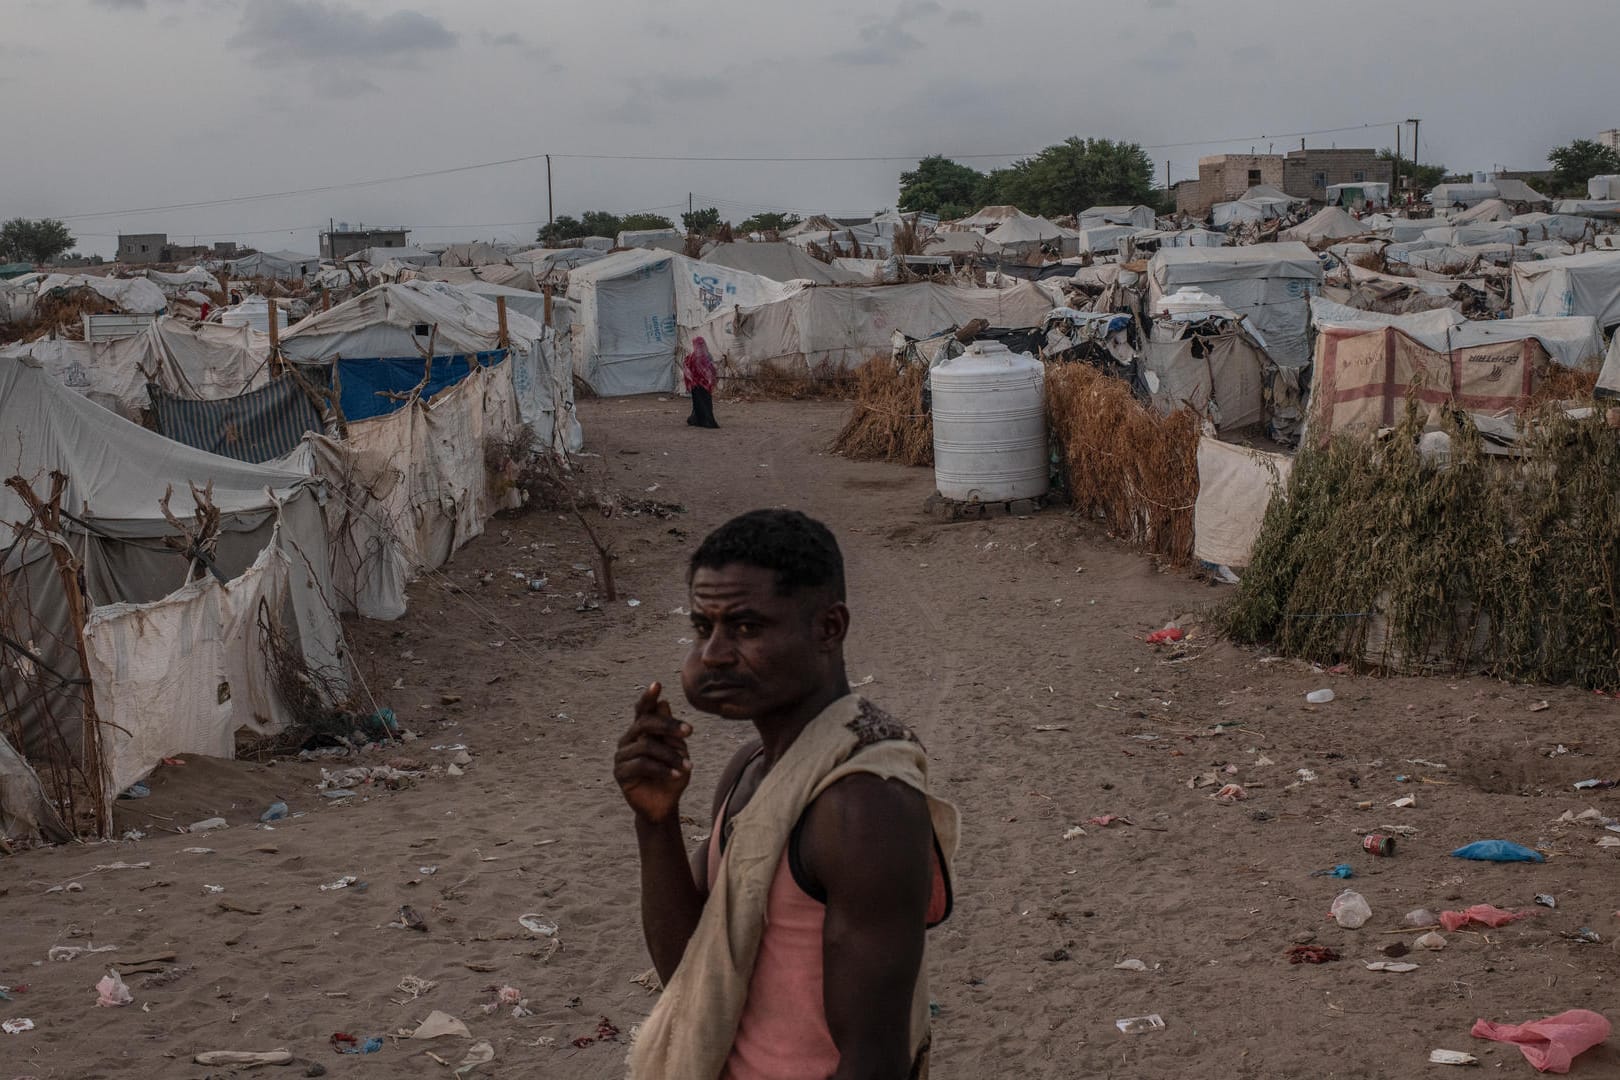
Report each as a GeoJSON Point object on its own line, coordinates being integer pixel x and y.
{"type": "Point", "coordinates": [1381, 557]}
{"type": "Point", "coordinates": [773, 380]}
{"type": "Point", "coordinates": [58, 313]}
{"type": "Point", "coordinates": [1133, 468]}
{"type": "Point", "coordinates": [887, 421]}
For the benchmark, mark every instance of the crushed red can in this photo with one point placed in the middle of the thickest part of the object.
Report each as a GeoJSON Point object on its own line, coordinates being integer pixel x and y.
{"type": "Point", "coordinates": [1378, 844]}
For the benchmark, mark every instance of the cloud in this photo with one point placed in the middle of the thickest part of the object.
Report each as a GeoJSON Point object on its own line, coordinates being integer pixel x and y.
{"type": "Point", "coordinates": [1181, 39]}
{"type": "Point", "coordinates": [121, 5]}
{"type": "Point", "coordinates": [688, 87]}
{"type": "Point", "coordinates": [888, 39]}
{"type": "Point", "coordinates": [964, 17]}
{"type": "Point", "coordinates": [1162, 5]}
{"type": "Point", "coordinates": [510, 37]}
{"type": "Point", "coordinates": [317, 30]}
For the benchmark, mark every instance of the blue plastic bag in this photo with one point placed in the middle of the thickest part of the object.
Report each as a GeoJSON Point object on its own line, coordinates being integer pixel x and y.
{"type": "Point", "coordinates": [1498, 851]}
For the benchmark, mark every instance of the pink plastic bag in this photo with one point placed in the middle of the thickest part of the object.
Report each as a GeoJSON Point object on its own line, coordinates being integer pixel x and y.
{"type": "Point", "coordinates": [1550, 1045]}
{"type": "Point", "coordinates": [1484, 914]}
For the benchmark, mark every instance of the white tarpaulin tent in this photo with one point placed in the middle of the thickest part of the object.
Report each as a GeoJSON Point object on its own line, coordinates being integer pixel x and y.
{"type": "Point", "coordinates": [1585, 284]}
{"type": "Point", "coordinates": [398, 321]}
{"type": "Point", "coordinates": [653, 239]}
{"type": "Point", "coordinates": [1538, 226]}
{"type": "Point", "coordinates": [1608, 384]}
{"type": "Point", "coordinates": [182, 283]}
{"type": "Point", "coordinates": [1141, 217]}
{"type": "Point", "coordinates": [638, 310]}
{"type": "Point", "coordinates": [1249, 211]}
{"type": "Point", "coordinates": [132, 296]}
{"type": "Point", "coordinates": [1235, 487]}
{"type": "Point", "coordinates": [286, 265]}
{"type": "Point", "coordinates": [779, 261]}
{"type": "Point", "coordinates": [176, 667]}
{"type": "Point", "coordinates": [815, 329]}
{"type": "Point", "coordinates": [964, 243]}
{"type": "Point", "coordinates": [408, 256]}
{"type": "Point", "coordinates": [1366, 193]}
{"type": "Point", "coordinates": [1026, 235]}
{"type": "Point", "coordinates": [1326, 225]}
{"type": "Point", "coordinates": [193, 360]}
{"type": "Point", "coordinates": [1269, 284]}
{"type": "Point", "coordinates": [477, 253]}
{"type": "Point", "coordinates": [1102, 239]}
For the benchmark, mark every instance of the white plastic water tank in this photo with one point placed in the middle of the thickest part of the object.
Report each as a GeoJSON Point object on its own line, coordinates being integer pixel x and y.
{"type": "Point", "coordinates": [989, 408]}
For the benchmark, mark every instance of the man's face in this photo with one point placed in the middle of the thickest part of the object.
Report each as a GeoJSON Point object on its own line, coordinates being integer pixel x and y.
{"type": "Point", "coordinates": [754, 651]}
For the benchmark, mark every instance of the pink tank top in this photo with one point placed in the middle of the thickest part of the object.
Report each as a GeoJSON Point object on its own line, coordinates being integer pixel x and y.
{"type": "Point", "coordinates": [783, 1031]}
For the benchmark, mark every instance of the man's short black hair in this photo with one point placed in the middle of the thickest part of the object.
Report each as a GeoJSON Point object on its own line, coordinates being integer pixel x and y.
{"type": "Point", "coordinates": [799, 550]}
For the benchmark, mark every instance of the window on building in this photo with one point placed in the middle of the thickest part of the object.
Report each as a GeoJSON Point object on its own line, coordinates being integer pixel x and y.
{"type": "Point", "coordinates": [143, 247]}
{"type": "Point", "coordinates": [1319, 179]}
{"type": "Point", "coordinates": [1254, 177]}
{"type": "Point", "coordinates": [1360, 175]}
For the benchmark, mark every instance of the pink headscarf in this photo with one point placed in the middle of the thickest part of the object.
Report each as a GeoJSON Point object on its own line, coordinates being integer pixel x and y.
{"type": "Point", "coordinates": [699, 367]}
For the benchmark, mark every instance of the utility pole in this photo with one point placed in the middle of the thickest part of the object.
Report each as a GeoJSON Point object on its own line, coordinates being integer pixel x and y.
{"type": "Point", "coordinates": [1167, 174]}
{"type": "Point", "coordinates": [1395, 180]}
{"type": "Point", "coordinates": [551, 216]}
{"type": "Point", "coordinates": [688, 204]}
{"type": "Point", "coordinates": [1414, 122]}
{"type": "Point", "coordinates": [331, 243]}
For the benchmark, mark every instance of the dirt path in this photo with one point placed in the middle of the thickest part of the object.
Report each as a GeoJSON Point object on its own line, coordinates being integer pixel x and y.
{"type": "Point", "coordinates": [1015, 648]}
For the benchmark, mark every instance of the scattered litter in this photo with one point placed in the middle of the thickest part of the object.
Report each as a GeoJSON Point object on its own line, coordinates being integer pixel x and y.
{"type": "Point", "coordinates": [1405, 802]}
{"type": "Point", "coordinates": [1139, 1025]}
{"type": "Point", "coordinates": [1351, 910]}
{"type": "Point", "coordinates": [510, 997]}
{"type": "Point", "coordinates": [1547, 900]}
{"type": "Point", "coordinates": [73, 952]}
{"type": "Point", "coordinates": [1586, 935]}
{"type": "Point", "coordinates": [1307, 775]}
{"type": "Point", "coordinates": [1168, 634]}
{"type": "Point", "coordinates": [1484, 914]}
{"type": "Point", "coordinates": [409, 920]}
{"type": "Point", "coordinates": [213, 890]}
{"type": "Point", "coordinates": [1051, 727]}
{"type": "Point", "coordinates": [344, 1043]}
{"type": "Point", "coordinates": [648, 980]}
{"type": "Point", "coordinates": [632, 603]}
{"type": "Point", "coordinates": [208, 825]}
{"type": "Point", "coordinates": [427, 871]}
{"type": "Point", "coordinates": [1311, 954]}
{"type": "Point", "coordinates": [439, 1024]}
{"type": "Point", "coordinates": [1451, 1057]}
{"type": "Point", "coordinates": [339, 793]}
{"type": "Point", "coordinates": [1073, 832]}
{"type": "Point", "coordinates": [1343, 870]}
{"type": "Point", "coordinates": [1588, 785]}
{"type": "Point", "coordinates": [462, 758]}
{"type": "Point", "coordinates": [111, 991]}
{"type": "Point", "coordinates": [276, 812]}
{"type": "Point", "coordinates": [605, 1032]}
{"type": "Point", "coordinates": [17, 1026]}
{"type": "Point", "coordinates": [341, 883]}
{"type": "Point", "coordinates": [1432, 941]}
{"type": "Point", "coordinates": [1320, 697]}
{"type": "Point", "coordinates": [135, 791]}
{"type": "Point", "coordinates": [1130, 965]}
{"type": "Point", "coordinates": [197, 851]}
{"type": "Point", "coordinates": [454, 770]}
{"type": "Point", "coordinates": [538, 924]}
{"type": "Point", "coordinates": [415, 986]}
{"type": "Point", "coordinates": [1550, 1045]}
{"type": "Point", "coordinates": [248, 1058]}
{"type": "Point", "coordinates": [1540, 706]}
{"type": "Point", "coordinates": [1231, 793]}
{"type": "Point", "coordinates": [1389, 965]}
{"type": "Point", "coordinates": [1498, 851]}
{"type": "Point", "coordinates": [72, 886]}
{"type": "Point", "coordinates": [479, 1053]}
{"type": "Point", "coordinates": [1102, 821]}
{"type": "Point", "coordinates": [1420, 917]}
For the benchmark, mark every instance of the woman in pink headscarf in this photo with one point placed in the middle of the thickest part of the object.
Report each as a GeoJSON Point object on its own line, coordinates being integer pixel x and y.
{"type": "Point", "coordinates": [700, 379]}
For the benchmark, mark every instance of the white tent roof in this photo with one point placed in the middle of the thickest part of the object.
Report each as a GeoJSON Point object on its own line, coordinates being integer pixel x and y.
{"type": "Point", "coordinates": [477, 253]}
{"type": "Point", "coordinates": [377, 256]}
{"type": "Point", "coordinates": [1573, 341]}
{"type": "Point", "coordinates": [657, 239]}
{"type": "Point", "coordinates": [1608, 384]}
{"type": "Point", "coordinates": [1586, 284]}
{"type": "Point", "coordinates": [1142, 217]}
{"type": "Point", "coordinates": [1025, 229]}
{"type": "Point", "coordinates": [1489, 210]}
{"type": "Point", "coordinates": [990, 216]}
{"type": "Point", "coordinates": [778, 261]}
{"type": "Point", "coordinates": [1266, 191]}
{"type": "Point", "coordinates": [1329, 223]}
{"type": "Point", "coordinates": [466, 324]}
{"type": "Point", "coordinates": [1181, 266]}
{"type": "Point", "coordinates": [961, 242]}
{"type": "Point", "coordinates": [276, 264]}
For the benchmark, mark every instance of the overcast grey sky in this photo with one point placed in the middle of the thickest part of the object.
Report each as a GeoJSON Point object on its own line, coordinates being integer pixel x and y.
{"type": "Point", "coordinates": [120, 105]}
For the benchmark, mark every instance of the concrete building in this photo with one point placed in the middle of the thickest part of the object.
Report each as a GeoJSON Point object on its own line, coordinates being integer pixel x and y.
{"type": "Point", "coordinates": [343, 241]}
{"type": "Point", "coordinates": [1224, 177]}
{"type": "Point", "coordinates": [1610, 138]}
{"type": "Point", "coordinates": [141, 247]}
{"type": "Point", "coordinates": [1308, 173]}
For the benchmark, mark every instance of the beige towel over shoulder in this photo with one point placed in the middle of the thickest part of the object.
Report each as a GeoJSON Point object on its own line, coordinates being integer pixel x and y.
{"type": "Point", "coordinates": [690, 1032]}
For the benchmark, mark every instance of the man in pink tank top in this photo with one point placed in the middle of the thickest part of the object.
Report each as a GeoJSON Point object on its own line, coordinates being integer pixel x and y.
{"type": "Point", "coordinates": [861, 875]}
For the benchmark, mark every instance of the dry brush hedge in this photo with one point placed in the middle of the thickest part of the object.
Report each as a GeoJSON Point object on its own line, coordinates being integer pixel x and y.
{"type": "Point", "coordinates": [887, 421]}
{"type": "Point", "coordinates": [1382, 556]}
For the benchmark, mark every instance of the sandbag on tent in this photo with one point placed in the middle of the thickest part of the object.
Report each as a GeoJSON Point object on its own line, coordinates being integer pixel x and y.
{"type": "Point", "coordinates": [116, 473]}
{"type": "Point", "coordinates": [1235, 486]}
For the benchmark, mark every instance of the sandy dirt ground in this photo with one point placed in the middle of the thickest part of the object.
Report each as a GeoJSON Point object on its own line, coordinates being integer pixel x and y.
{"type": "Point", "coordinates": [1015, 648]}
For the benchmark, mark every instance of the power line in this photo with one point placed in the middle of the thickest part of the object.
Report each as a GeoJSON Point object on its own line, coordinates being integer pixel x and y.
{"type": "Point", "coordinates": [695, 158]}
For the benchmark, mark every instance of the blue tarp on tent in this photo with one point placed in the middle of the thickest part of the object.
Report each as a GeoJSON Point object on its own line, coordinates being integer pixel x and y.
{"type": "Point", "coordinates": [364, 381]}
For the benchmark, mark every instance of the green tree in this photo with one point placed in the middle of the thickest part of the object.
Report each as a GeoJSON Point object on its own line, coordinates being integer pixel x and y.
{"type": "Point", "coordinates": [941, 186]}
{"type": "Point", "coordinates": [638, 222]}
{"type": "Point", "coordinates": [601, 223]}
{"type": "Point", "coordinates": [564, 228]}
{"type": "Point", "coordinates": [1575, 164]}
{"type": "Point", "coordinates": [703, 222]}
{"type": "Point", "coordinates": [1075, 174]}
{"type": "Point", "coordinates": [35, 241]}
{"type": "Point", "coordinates": [768, 221]}
{"type": "Point", "coordinates": [1423, 177]}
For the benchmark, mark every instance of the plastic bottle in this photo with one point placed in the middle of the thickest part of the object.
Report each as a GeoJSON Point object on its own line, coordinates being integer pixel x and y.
{"type": "Point", "coordinates": [1351, 910]}
{"type": "Point", "coordinates": [1319, 697]}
